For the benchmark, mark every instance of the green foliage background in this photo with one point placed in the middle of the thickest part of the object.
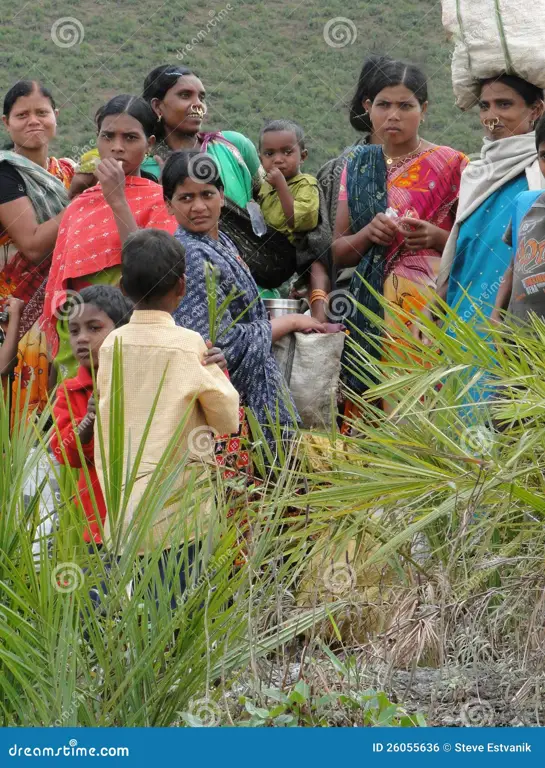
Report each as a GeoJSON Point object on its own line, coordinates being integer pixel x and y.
{"type": "Point", "coordinates": [262, 59]}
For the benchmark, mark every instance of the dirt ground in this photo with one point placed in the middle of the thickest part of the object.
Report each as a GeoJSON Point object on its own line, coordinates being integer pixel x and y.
{"type": "Point", "coordinates": [478, 696]}
{"type": "Point", "coordinates": [484, 696]}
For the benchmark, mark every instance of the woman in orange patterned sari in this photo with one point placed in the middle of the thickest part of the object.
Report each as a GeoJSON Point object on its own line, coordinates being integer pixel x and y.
{"type": "Point", "coordinates": [32, 200]}
{"type": "Point", "coordinates": [397, 205]}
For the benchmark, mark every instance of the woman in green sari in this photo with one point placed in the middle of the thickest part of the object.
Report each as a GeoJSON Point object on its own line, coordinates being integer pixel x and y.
{"type": "Point", "coordinates": [178, 98]}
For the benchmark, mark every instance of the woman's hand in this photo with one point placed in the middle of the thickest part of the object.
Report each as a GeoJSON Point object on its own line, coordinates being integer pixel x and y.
{"type": "Point", "coordinates": [214, 356]}
{"type": "Point", "coordinates": [111, 176]}
{"type": "Point", "coordinates": [14, 307]}
{"type": "Point", "coordinates": [422, 236]}
{"type": "Point", "coordinates": [307, 324]}
{"type": "Point", "coordinates": [286, 324]}
{"type": "Point", "coordinates": [382, 230]}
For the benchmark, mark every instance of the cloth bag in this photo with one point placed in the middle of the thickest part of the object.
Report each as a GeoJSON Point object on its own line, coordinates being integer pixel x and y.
{"type": "Point", "coordinates": [311, 365]}
{"type": "Point", "coordinates": [493, 37]}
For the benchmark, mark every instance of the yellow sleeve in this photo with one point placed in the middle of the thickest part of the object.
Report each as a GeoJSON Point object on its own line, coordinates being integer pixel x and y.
{"type": "Point", "coordinates": [306, 206]}
{"type": "Point", "coordinates": [218, 399]}
{"type": "Point", "coordinates": [103, 399]}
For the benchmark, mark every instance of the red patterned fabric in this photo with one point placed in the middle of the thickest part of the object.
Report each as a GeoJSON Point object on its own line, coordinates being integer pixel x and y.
{"type": "Point", "coordinates": [233, 457]}
{"type": "Point", "coordinates": [426, 186]}
{"type": "Point", "coordinates": [88, 240]}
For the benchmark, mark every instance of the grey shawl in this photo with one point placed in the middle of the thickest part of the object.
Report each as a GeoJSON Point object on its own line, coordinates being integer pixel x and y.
{"type": "Point", "coordinates": [499, 162]}
{"type": "Point", "coordinates": [47, 194]}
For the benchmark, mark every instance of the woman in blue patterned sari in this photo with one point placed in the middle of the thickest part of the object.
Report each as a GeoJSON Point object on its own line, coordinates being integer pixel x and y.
{"type": "Point", "coordinates": [245, 334]}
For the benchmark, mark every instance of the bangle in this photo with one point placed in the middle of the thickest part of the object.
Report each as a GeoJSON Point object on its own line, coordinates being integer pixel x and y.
{"type": "Point", "coordinates": [318, 295]}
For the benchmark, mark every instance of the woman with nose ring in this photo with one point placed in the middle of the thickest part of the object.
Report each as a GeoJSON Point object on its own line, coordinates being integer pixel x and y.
{"type": "Point", "coordinates": [476, 257]}
{"type": "Point", "coordinates": [178, 99]}
{"type": "Point", "coordinates": [177, 96]}
{"type": "Point", "coordinates": [397, 204]}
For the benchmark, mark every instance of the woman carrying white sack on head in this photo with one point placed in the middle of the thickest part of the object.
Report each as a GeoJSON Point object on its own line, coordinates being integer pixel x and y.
{"type": "Point", "coordinates": [476, 258]}
{"type": "Point", "coordinates": [498, 63]}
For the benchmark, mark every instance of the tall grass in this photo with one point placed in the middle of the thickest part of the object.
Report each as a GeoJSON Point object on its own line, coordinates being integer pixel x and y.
{"type": "Point", "coordinates": [418, 540]}
{"type": "Point", "coordinates": [437, 506]}
{"type": "Point", "coordinates": [145, 654]}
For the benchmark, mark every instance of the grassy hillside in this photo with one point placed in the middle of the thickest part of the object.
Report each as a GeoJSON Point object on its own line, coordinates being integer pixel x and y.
{"type": "Point", "coordinates": [258, 58]}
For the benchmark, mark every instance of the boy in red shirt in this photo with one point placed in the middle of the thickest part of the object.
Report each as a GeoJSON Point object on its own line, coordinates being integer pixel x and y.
{"type": "Point", "coordinates": [99, 310]}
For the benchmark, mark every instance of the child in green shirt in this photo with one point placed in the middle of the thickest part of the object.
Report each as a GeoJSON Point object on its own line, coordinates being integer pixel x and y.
{"type": "Point", "coordinates": [289, 199]}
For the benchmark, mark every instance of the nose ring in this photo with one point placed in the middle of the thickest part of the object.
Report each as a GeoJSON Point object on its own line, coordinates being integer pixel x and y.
{"type": "Point", "coordinates": [491, 123]}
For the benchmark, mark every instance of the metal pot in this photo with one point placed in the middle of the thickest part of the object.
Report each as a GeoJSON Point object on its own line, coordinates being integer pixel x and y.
{"type": "Point", "coordinates": [279, 307]}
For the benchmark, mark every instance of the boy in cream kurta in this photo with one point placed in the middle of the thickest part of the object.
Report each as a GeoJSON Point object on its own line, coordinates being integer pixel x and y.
{"type": "Point", "coordinates": [152, 346]}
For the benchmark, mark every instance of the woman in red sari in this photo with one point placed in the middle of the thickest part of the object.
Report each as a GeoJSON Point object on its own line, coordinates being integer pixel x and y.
{"type": "Point", "coordinates": [32, 198]}
{"type": "Point", "coordinates": [397, 205]}
{"type": "Point", "coordinates": [95, 225]}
